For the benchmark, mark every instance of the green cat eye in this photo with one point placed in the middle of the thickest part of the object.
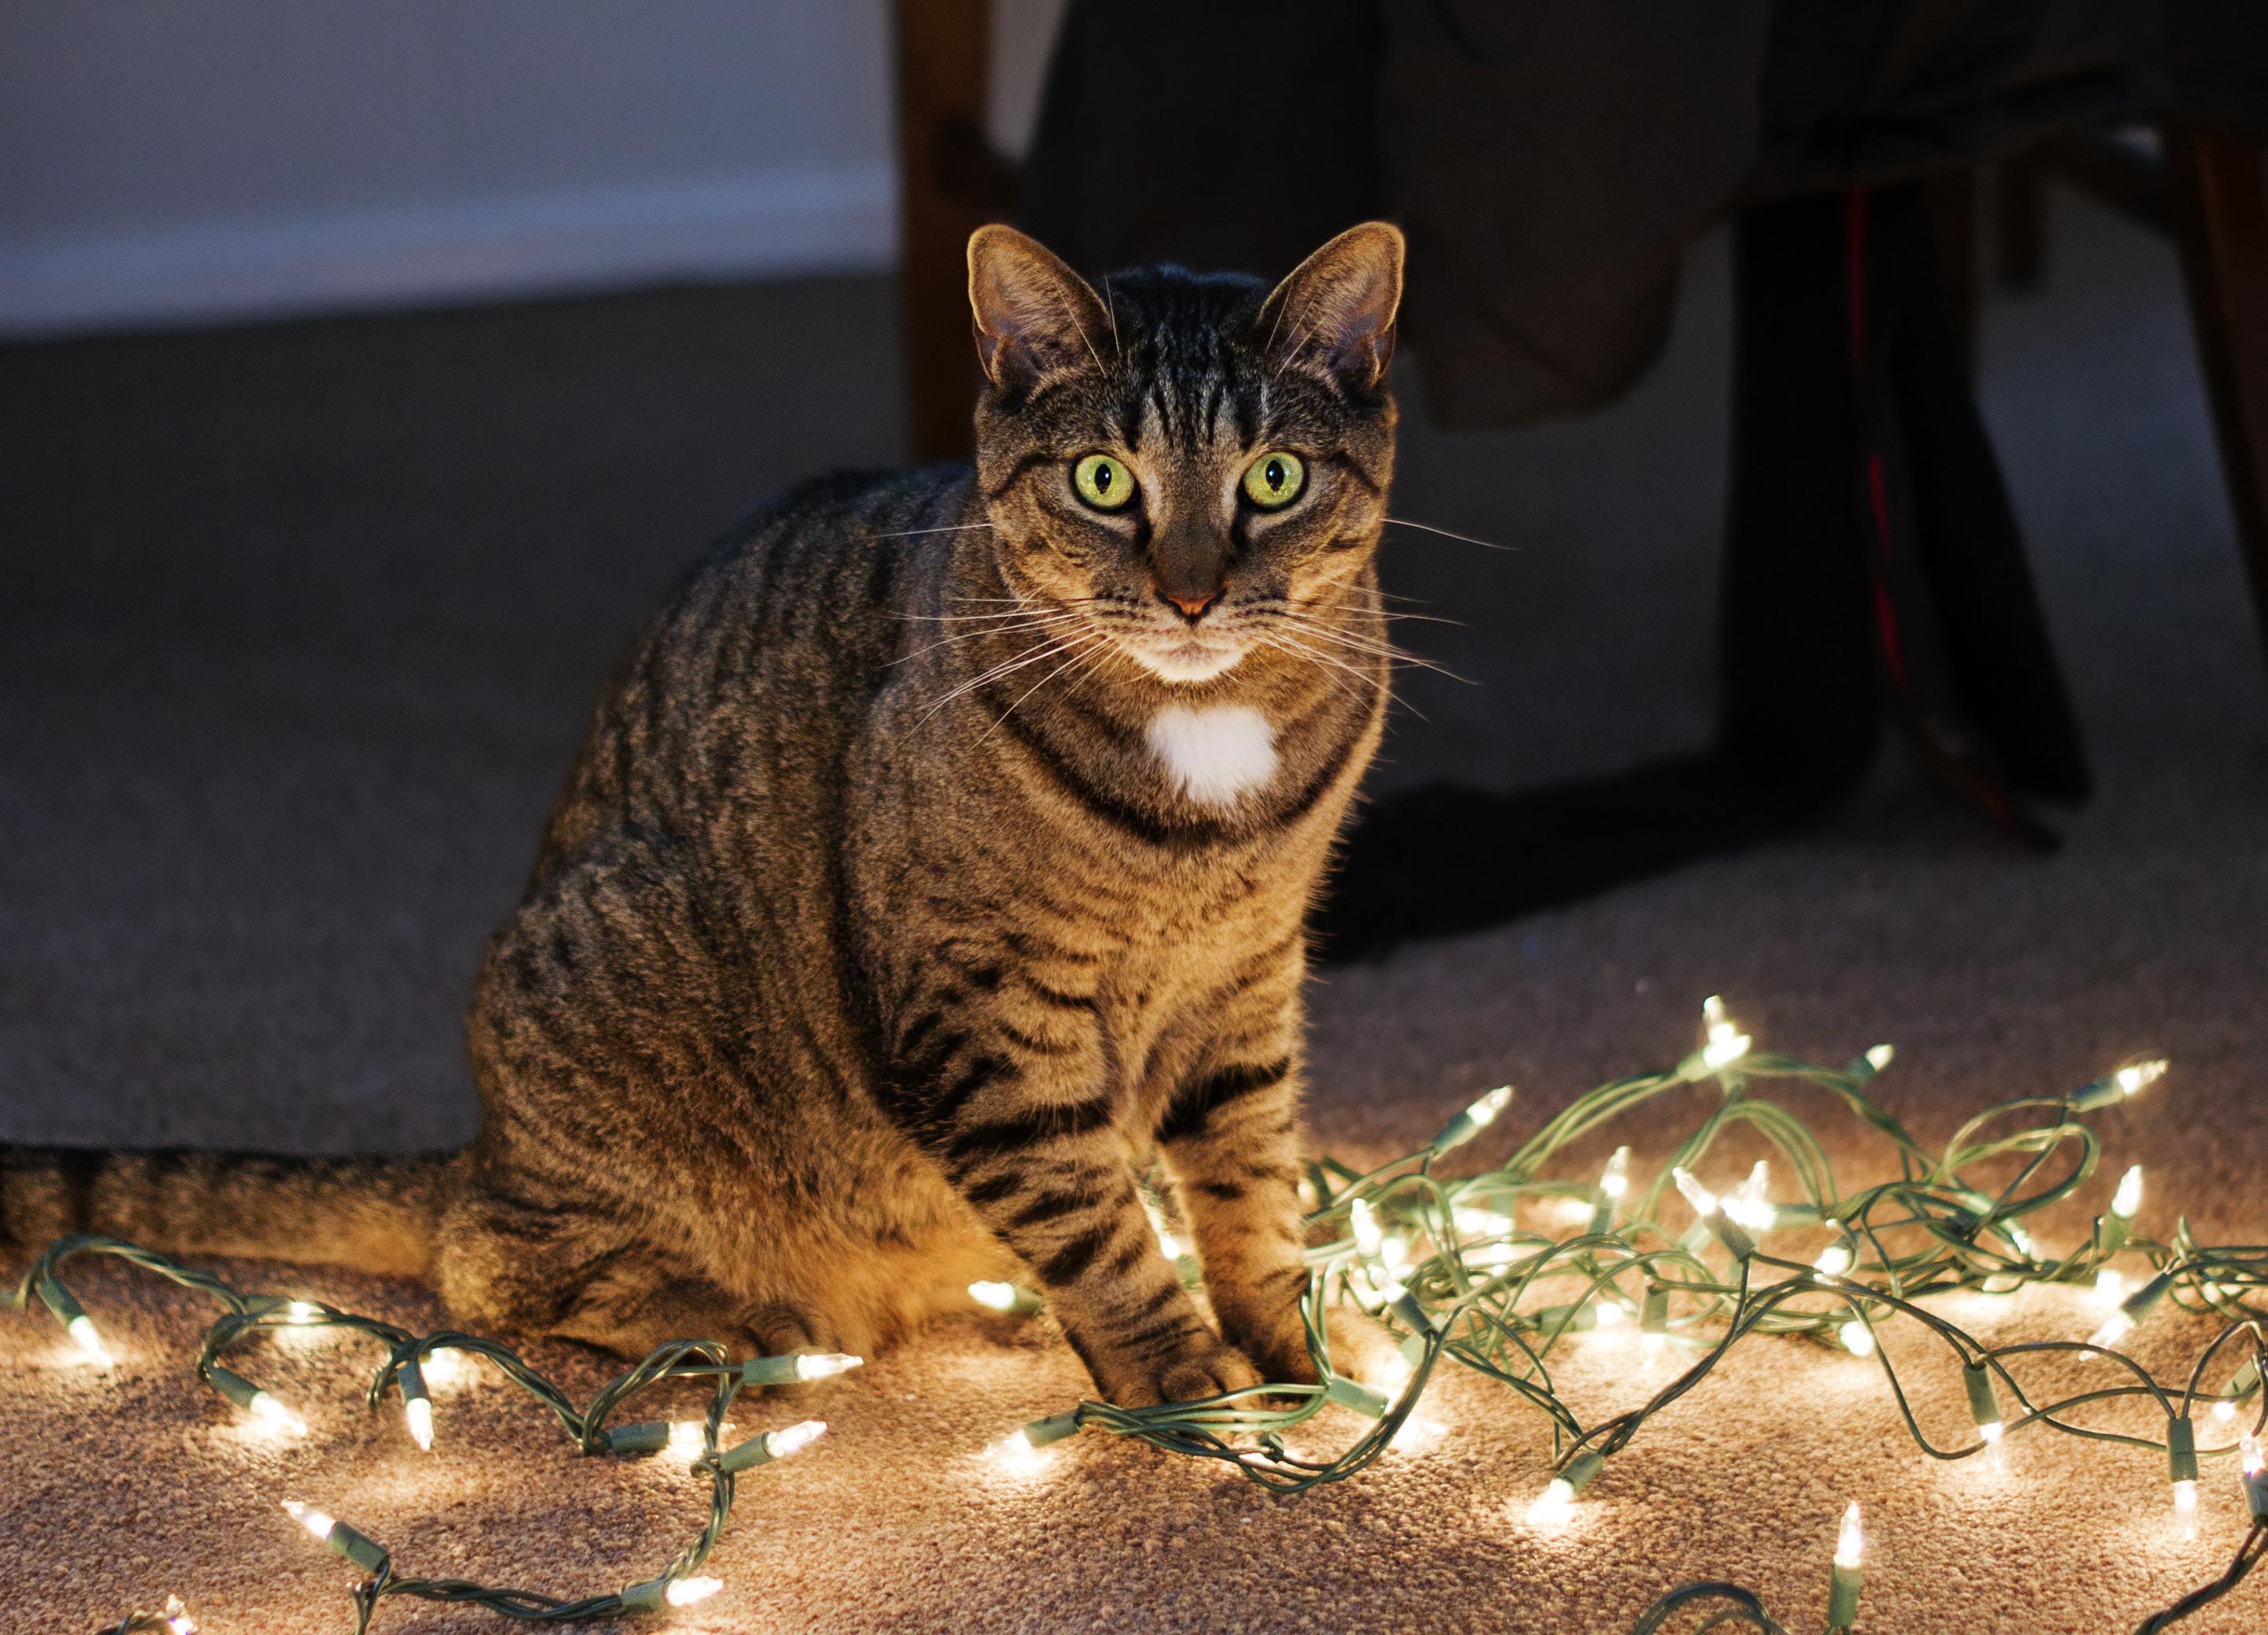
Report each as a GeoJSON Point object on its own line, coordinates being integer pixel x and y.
{"type": "Point", "coordinates": [1274, 480]}
{"type": "Point", "coordinates": [1102, 482]}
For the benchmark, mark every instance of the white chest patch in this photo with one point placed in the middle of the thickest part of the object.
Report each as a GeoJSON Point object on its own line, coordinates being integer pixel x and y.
{"type": "Point", "coordinates": [1216, 755]}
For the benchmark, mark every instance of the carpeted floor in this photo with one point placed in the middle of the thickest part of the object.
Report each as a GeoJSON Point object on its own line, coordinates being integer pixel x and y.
{"type": "Point", "coordinates": [297, 628]}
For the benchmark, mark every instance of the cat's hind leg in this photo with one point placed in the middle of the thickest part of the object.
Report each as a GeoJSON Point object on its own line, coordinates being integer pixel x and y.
{"type": "Point", "coordinates": [510, 1265]}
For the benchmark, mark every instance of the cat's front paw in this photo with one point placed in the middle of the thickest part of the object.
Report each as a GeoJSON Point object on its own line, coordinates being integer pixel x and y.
{"type": "Point", "coordinates": [1360, 1349]}
{"type": "Point", "coordinates": [1201, 1365]}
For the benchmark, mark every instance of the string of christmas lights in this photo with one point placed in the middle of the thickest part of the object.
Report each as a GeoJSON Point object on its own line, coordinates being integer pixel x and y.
{"type": "Point", "coordinates": [1461, 1269]}
{"type": "Point", "coordinates": [1451, 1267]}
{"type": "Point", "coordinates": [409, 1360]}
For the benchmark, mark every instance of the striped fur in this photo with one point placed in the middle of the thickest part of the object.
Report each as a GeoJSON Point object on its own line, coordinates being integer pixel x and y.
{"type": "Point", "coordinates": [872, 937]}
{"type": "Point", "coordinates": [375, 1213]}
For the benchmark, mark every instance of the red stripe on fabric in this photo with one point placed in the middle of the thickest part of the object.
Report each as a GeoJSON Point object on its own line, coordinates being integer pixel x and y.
{"type": "Point", "coordinates": [1878, 495]}
{"type": "Point", "coordinates": [1886, 627]}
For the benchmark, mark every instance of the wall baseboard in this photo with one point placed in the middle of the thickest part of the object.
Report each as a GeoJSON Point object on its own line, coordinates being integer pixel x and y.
{"type": "Point", "coordinates": [767, 224]}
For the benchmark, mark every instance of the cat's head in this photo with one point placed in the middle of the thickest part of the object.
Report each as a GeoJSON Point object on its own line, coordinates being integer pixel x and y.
{"type": "Point", "coordinates": [1194, 465]}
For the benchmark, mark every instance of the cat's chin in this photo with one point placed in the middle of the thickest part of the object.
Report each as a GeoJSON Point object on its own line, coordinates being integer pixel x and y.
{"type": "Point", "coordinates": [1186, 664]}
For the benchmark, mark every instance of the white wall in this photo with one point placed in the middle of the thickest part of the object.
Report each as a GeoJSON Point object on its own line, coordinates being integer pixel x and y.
{"type": "Point", "coordinates": [169, 161]}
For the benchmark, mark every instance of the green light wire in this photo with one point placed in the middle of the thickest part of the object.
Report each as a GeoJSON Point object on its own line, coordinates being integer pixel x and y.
{"type": "Point", "coordinates": [1475, 1299]}
{"type": "Point", "coordinates": [245, 1316]}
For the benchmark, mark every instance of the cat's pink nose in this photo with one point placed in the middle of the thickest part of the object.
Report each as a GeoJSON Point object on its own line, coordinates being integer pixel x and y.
{"type": "Point", "coordinates": [1192, 603]}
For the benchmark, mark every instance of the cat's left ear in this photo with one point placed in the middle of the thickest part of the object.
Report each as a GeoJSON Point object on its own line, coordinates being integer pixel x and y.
{"type": "Point", "coordinates": [1033, 314]}
{"type": "Point", "coordinates": [1337, 309]}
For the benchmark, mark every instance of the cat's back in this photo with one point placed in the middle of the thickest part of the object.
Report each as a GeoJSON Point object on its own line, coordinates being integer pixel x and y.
{"type": "Point", "coordinates": [755, 675]}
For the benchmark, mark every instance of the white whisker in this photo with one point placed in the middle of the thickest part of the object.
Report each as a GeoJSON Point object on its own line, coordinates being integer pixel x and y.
{"type": "Point", "coordinates": [1449, 534]}
{"type": "Point", "coordinates": [1039, 652]}
{"type": "Point", "coordinates": [1291, 649]}
{"type": "Point", "coordinates": [1377, 683]}
{"type": "Point", "coordinates": [1353, 643]}
{"type": "Point", "coordinates": [907, 534]}
{"type": "Point", "coordinates": [1084, 655]}
{"type": "Point", "coordinates": [1053, 622]}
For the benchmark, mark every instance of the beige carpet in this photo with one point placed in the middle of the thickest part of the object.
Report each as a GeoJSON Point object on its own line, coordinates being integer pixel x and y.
{"type": "Point", "coordinates": [259, 815]}
{"type": "Point", "coordinates": [119, 1490]}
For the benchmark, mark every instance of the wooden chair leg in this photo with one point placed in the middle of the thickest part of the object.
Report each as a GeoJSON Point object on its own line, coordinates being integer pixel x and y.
{"type": "Point", "coordinates": [941, 54]}
{"type": "Point", "coordinates": [2221, 220]}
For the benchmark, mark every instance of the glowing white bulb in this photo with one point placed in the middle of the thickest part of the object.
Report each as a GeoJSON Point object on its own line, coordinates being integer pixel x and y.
{"type": "Point", "coordinates": [1879, 1055]}
{"type": "Point", "coordinates": [1552, 1507]}
{"type": "Point", "coordinates": [1653, 1340]}
{"type": "Point", "coordinates": [1572, 1211]}
{"type": "Point", "coordinates": [303, 1312]}
{"type": "Point", "coordinates": [318, 1523]}
{"type": "Point", "coordinates": [276, 1417]}
{"type": "Point", "coordinates": [1493, 1256]}
{"type": "Point", "coordinates": [1483, 1112]}
{"type": "Point", "coordinates": [1366, 1234]}
{"type": "Point", "coordinates": [1169, 1244]}
{"type": "Point", "coordinates": [419, 1412]}
{"type": "Point", "coordinates": [688, 1439]}
{"type": "Point", "coordinates": [444, 1367]}
{"type": "Point", "coordinates": [82, 1329]}
{"type": "Point", "coordinates": [825, 1365]}
{"type": "Point", "coordinates": [2185, 1501]}
{"type": "Point", "coordinates": [2223, 1411]}
{"type": "Point", "coordinates": [1480, 1223]}
{"type": "Point", "coordinates": [2115, 1329]}
{"type": "Point", "coordinates": [1991, 1431]}
{"type": "Point", "coordinates": [685, 1592]}
{"type": "Point", "coordinates": [1833, 1260]}
{"type": "Point", "coordinates": [1748, 1205]}
{"type": "Point", "coordinates": [178, 1621]}
{"type": "Point", "coordinates": [1858, 1338]}
{"type": "Point", "coordinates": [795, 1438]}
{"type": "Point", "coordinates": [1726, 1043]}
{"type": "Point", "coordinates": [1015, 1453]}
{"type": "Point", "coordinates": [1703, 1201]}
{"type": "Point", "coordinates": [2254, 1462]}
{"type": "Point", "coordinates": [2141, 1073]}
{"type": "Point", "coordinates": [1610, 1314]}
{"type": "Point", "coordinates": [1390, 1377]}
{"type": "Point", "coordinates": [2022, 1241]}
{"type": "Point", "coordinates": [1849, 1541]}
{"type": "Point", "coordinates": [999, 1296]}
{"type": "Point", "coordinates": [2109, 1286]}
{"type": "Point", "coordinates": [1614, 1180]}
{"type": "Point", "coordinates": [2126, 1202]}
{"type": "Point", "coordinates": [1394, 1252]}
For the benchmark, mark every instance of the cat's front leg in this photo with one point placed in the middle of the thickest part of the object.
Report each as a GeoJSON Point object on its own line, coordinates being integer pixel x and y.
{"type": "Point", "coordinates": [1231, 1135]}
{"type": "Point", "coordinates": [1012, 1095]}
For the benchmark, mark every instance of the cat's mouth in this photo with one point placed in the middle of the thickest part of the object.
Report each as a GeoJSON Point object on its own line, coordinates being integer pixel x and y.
{"type": "Point", "coordinates": [1188, 657]}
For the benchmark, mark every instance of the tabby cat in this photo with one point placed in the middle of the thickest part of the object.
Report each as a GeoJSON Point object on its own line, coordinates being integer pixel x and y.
{"type": "Point", "coordinates": [943, 848]}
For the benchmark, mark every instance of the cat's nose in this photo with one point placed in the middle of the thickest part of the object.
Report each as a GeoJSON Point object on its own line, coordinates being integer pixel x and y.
{"type": "Point", "coordinates": [1192, 603]}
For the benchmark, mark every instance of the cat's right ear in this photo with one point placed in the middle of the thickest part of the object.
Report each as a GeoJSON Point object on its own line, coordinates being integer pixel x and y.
{"type": "Point", "coordinates": [1034, 315]}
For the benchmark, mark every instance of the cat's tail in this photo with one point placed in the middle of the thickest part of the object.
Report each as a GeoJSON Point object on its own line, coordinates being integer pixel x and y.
{"type": "Point", "coordinates": [374, 1214]}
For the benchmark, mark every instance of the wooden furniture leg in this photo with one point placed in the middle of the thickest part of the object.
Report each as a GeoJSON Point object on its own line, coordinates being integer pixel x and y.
{"type": "Point", "coordinates": [942, 51]}
{"type": "Point", "coordinates": [2221, 221]}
